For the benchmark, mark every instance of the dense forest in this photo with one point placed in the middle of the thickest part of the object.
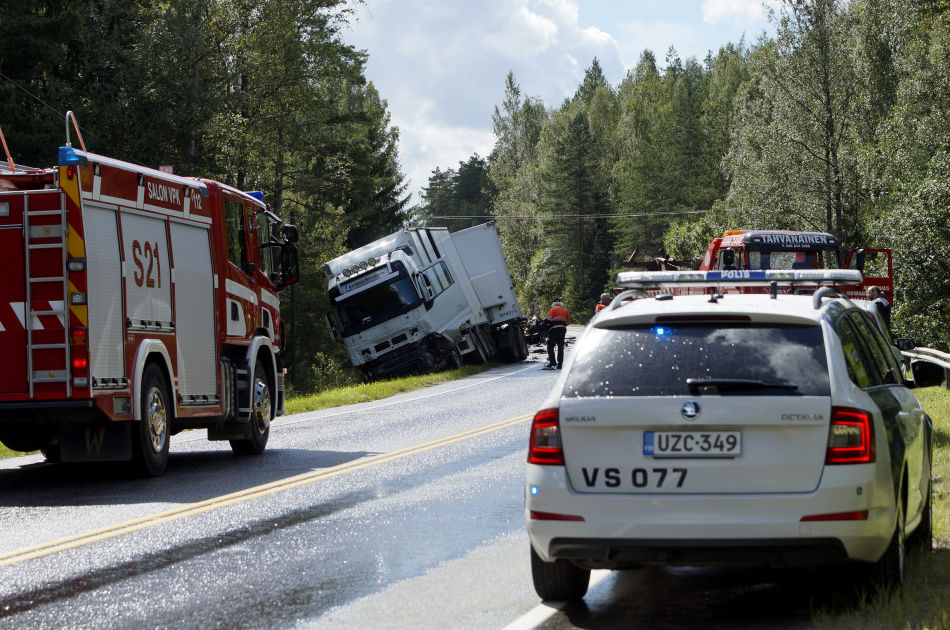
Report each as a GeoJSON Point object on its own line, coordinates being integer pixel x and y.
{"type": "Point", "coordinates": [839, 123]}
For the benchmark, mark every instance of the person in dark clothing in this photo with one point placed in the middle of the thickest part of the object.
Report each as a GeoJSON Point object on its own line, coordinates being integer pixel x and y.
{"type": "Point", "coordinates": [559, 318]}
{"type": "Point", "coordinates": [883, 306]}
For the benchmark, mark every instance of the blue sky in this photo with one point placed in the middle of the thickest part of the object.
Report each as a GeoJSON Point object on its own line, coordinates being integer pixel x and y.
{"type": "Point", "coordinates": [441, 64]}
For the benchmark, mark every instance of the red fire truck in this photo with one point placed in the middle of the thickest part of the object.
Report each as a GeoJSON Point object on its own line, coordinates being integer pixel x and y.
{"type": "Point", "coordinates": [781, 249]}
{"type": "Point", "coordinates": [136, 304]}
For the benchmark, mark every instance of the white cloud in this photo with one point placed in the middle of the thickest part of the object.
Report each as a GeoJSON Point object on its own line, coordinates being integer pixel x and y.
{"type": "Point", "coordinates": [525, 35]}
{"type": "Point", "coordinates": [739, 11]}
{"type": "Point", "coordinates": [441, 64]}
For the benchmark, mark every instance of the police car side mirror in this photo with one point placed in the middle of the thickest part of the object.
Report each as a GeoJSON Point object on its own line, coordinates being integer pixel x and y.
{"type": "Point", "coordinates": [926, 374]}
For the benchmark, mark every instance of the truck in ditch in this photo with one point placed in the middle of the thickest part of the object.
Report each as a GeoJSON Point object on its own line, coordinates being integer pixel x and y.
{"type": "Point", "coordinates": [424, 299]}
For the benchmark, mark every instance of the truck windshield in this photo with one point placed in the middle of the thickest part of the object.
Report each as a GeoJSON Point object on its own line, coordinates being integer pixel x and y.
{"type": "Point", "coordinates": [375, 305]}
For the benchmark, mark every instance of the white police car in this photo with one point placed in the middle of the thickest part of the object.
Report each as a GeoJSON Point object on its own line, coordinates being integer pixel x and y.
{"type": "Point", "coordinates": [769, 429]}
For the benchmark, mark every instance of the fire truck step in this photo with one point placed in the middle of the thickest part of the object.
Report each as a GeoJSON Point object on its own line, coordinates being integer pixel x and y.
{"type": "Point", "coordinates": [58, 245]}
{"type": "Point", "coordinates": [45, 213]}
{"type": "Point", "coordinates": [58, 376]}
{"type": "Point", "coordinates": [49, 279]}
{"type": "Point", "coordinates": [48, 346]}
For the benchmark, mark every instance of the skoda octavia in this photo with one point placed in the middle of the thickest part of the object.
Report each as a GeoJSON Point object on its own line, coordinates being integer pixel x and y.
{"type": "Point", "coordinates": [729, 428]}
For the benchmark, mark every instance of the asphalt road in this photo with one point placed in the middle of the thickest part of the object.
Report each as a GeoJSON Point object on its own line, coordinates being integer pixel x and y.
{"type": "Point", "coordinates": [403, 513]}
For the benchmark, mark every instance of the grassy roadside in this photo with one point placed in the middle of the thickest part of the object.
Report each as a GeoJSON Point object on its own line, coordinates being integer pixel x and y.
{"type": "Point", "coordinates": [363, 392]}
{"type": "Point", "coordinates": [923, 602]}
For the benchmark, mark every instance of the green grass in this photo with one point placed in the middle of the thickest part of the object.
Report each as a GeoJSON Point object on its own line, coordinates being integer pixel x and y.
{"type": "Point", "coordinates": [924, 602]}
{"type": "Point", "coordinates": [366, 392]}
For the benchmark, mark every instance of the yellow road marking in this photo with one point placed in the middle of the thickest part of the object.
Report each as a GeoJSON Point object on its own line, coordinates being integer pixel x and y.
{"type": "Point", "coordinates": [120, 529]}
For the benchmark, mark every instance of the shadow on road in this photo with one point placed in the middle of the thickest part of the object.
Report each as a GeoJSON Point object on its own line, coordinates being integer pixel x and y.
{"type": "Point", "coordinates": [190, 477]}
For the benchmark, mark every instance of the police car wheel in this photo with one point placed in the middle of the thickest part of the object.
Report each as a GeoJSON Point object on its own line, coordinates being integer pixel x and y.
{"type": "Point", "coordinates": [558, 581]}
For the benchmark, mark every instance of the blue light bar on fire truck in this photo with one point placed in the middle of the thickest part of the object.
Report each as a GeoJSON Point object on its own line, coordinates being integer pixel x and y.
{"type": "Point", "coordinates": [741, 277]}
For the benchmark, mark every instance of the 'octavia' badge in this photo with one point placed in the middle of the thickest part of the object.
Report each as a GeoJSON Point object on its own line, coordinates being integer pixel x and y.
{"type": "Point", "coordinates": [690, 409]}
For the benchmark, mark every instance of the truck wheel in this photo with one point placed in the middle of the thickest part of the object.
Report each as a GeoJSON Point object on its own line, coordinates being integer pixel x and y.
{"type": "Point", "coordinates": [454, 360]}
{"type": "Point", "coordinates": [480, 355]}
{"type": "Point", "coordinates": [522, 345]}
{"type": "Point", "coordinates": [261, 414]}
{"type": "Point", "coordinates": [558, 581]}
{"type": "Point", "coordinates": [150, 435]}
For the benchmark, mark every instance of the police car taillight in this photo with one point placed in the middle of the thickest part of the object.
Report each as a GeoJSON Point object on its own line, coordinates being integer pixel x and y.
{"type": "Point", "coordinates": [850, 437]}
{"type": "Point", "coordinates": [545, 446]}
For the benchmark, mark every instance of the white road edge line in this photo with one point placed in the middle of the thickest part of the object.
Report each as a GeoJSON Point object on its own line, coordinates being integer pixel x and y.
{"type": "Point", "coordinates": [542, 612]}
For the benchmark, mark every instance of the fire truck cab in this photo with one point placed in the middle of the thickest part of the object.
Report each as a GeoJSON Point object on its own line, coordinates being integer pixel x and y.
{"type": "Point", "coordinates": [137, 304]}
{"type": "Point", "coordinates": [780, 249]}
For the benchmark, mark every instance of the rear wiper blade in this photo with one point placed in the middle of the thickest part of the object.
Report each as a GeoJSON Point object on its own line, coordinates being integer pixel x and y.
{"type": "Point", "coordinates": [716, 385]}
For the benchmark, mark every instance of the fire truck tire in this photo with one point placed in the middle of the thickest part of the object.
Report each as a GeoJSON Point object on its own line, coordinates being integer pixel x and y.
{"type": "Point", "coordinates": [262, 412]}
{"type": "Point", "coordinates": [150, 435]}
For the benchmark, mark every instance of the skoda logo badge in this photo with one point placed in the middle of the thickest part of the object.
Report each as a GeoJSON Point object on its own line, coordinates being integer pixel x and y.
{"type": "Point", "coordinates": [690, 409]}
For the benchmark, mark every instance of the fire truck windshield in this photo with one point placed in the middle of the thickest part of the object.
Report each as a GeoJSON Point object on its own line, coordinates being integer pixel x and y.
{"type": "Point", "coordinates": [373, 306]}
{"type": "Point", "coordinates": [792, 260]}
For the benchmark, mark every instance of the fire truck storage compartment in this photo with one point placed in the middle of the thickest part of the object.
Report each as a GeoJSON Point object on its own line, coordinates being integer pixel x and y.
{"type": "Point", "coordinates": [147, 277]}
{"type": "Point", "coordinates": [104, 286]}
{"type": "Point", "coordinates": [12, 320]}
{"type": "Point", "coordinates": [194, 303]}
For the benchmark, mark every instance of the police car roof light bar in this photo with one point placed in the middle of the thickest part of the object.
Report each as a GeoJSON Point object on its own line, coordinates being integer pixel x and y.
{"type": "Point", "coordinates": [740, 277]}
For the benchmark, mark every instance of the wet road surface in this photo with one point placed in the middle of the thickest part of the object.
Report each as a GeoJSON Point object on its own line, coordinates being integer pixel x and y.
{"type": "Point", "coordinates": [404, 513]}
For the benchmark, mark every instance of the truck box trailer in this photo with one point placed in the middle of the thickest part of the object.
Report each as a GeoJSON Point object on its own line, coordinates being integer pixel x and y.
{"type": "Point", "coordinates": [423, 299]}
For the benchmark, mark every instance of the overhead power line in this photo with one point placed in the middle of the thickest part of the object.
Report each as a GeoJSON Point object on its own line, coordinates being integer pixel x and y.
{"type": "Point", "coordinates": [543, 217]}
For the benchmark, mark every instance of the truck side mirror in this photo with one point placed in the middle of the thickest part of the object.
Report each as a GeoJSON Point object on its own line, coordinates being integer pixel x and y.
{"type": "Point", "coordinates": [425, 290]}
{"type": "Point", "coordinates": [330, 327]}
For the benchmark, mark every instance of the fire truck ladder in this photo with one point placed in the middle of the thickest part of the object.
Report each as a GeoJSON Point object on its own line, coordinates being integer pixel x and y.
{"type": "Point", "coordinates": [45, 232]}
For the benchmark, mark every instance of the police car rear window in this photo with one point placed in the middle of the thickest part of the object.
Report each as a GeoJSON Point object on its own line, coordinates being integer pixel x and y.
{"type": "Point", "coordinates": [700, 359]}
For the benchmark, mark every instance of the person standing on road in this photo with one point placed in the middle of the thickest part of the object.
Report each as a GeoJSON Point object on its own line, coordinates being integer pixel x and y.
{"type": "Point", "coordinates": [883, 306]}
{"type": "Point", "coordinates": [605, 299]}
{"type": "Point", "coordinates": [559, 318]}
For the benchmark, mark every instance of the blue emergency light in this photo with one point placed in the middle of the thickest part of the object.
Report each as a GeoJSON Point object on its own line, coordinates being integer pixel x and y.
{"type": "Point", "coordinates": [68, 156]}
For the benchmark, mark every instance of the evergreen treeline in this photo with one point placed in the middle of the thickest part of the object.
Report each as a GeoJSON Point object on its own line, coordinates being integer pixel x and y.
{"type": "Point", "coordinates": [841, 124]}
{"type": "Point", "coordinates": [260, 94]}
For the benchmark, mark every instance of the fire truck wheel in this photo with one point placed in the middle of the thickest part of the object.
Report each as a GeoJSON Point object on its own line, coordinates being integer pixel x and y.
{"type": "Point", "coordinates": [150, 435]}
{"type": "Point", "coordinates": [262, 411]}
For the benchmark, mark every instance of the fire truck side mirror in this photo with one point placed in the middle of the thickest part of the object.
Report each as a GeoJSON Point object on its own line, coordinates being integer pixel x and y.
{"type": "Point", "coordinates": [290, 233]}
{"type": "Point", "coordinates": [859, 256]}
{"type": "Point", "coordinates": [728, 259]}
{"type": "Point", "coordinates": [289, 265]}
